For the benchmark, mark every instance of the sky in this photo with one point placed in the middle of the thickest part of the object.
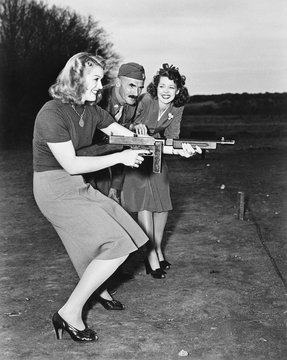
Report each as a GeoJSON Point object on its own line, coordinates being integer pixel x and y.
{"type": "Point", "coordinates": [221, 46]}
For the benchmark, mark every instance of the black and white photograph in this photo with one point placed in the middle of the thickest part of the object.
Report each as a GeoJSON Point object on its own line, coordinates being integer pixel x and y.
{"type": "Point", "coordinates": [143, 180]}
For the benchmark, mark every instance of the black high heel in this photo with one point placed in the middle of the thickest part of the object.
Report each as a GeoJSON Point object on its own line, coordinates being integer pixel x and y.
{"type": "Point", "coordinates": [157, 273]}
{"type": "Point", "coordinates": [86, 335]}
{"type": "Point", "coordinates": [111, 304]}
{"type": "Point", "coordinates": [164, 265]}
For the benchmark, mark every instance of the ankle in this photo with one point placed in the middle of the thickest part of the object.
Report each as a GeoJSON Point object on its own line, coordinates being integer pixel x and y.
{"type": "Point", "coordinates": [72, 317]}
{"type": "Point", "coordinates": [160, 258]}
{"type": "Point", "coordinates": [106, 295]}
{"type": "Point", "coordinates": [159, 253]}
{"type": "Point", "coordinates": [153, 263]}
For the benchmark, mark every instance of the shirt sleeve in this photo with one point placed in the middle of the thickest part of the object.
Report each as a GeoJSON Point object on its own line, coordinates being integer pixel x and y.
{"type": "Point", "coordinates": [103, 118]}
{"type": "Point", "coordinates": [173, 130]}
{"type": "Point", "coordinates": [140, 112]}
{"type": "Point", "coordinates": [51, 126]}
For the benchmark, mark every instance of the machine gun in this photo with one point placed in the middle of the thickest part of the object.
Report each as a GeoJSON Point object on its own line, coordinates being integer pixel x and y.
{"type": "Point", "coordinates": [157, 147]}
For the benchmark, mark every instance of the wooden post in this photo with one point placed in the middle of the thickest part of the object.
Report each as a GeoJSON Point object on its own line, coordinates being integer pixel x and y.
{"type": "Point", "coordinates": [241, 204]}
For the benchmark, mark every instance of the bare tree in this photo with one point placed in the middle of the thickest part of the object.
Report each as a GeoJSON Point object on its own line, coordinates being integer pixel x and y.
{"type": "Point", "coordinates": [35, 43]}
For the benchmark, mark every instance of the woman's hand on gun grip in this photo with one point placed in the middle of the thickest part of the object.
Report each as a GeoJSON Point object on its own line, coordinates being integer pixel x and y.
{"type": "Point", "coordinates": [188, 150]}
{"type": "Point", "coordinates": [133, 158]}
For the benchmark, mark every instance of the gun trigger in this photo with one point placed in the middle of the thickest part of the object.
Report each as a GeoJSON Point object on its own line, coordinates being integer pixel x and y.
{"type": "Point", "coordinates": [150, 153]}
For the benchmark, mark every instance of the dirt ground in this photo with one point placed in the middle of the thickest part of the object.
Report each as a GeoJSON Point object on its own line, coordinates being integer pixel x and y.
{"type": "Point", "coordinates": [225, 296]}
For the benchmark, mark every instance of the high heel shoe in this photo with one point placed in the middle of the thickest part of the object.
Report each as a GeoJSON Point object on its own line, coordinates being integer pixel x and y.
{"type": "Point", "coordinates": [60, 325]}
{"type": "Point", "coordinates": [111, 304]}
{"type": "Point", "coordinates": [164, 265]}
{"type": "Point", "coordinates": [157, 273]}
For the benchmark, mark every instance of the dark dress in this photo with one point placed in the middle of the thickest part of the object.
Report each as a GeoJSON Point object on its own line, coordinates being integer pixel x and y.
{"type": "Point", "coordinates": [143, 189]}
{"type": "Point", "coordinates": [90, 225]}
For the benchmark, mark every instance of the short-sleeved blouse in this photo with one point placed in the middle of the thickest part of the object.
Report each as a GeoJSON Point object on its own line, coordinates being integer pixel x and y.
{"type": "Point", "coordinates": [58, 122]}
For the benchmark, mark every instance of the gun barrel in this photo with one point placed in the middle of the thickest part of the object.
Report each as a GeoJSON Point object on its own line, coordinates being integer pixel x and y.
{"type": "Point", "coordinates": [203, 144]}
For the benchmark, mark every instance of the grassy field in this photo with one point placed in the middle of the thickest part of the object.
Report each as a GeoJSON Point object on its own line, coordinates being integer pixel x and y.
{"type": "Point", "coordinates": [225, 294]}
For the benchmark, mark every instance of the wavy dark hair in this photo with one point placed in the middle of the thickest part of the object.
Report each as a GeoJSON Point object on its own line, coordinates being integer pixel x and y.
{"type": "Point", "coordinates": [69, 85]}
{"type": "Point", "coordinates": [173, 74]}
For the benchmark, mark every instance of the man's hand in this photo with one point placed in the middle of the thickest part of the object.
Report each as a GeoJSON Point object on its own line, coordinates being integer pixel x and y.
{"type": "Point", "coordinates": [113, 194]}
{"type": "Point", "coordinates": [140, 129]}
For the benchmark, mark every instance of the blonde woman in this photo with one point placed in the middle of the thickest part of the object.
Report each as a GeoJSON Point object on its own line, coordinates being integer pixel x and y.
{"type": "Point", "coordinates": [97, 232]}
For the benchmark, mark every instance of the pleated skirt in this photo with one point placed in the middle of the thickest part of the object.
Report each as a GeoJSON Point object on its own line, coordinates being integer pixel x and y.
{"type": "Point", "coordinates": [90, 225]}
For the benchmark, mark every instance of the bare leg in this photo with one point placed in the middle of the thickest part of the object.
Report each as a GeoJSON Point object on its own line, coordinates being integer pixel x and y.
{"type": "Point", "coordinates": [145, 220]}
{"type": "Point", "coordinates": [159, 220]}
{"type": "Point", "coordinates": [97, 272]}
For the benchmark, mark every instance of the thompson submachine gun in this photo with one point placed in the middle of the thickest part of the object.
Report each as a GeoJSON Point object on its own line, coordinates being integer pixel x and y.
{"type": "Point", "coordinates": [157, 147]}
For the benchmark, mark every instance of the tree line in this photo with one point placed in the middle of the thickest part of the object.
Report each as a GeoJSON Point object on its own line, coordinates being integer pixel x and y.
{"type": "Point", "coordinates": [37, 40]}
{"type": "Point", "coordinates": [262, 104]}
{"type": "Point", "coordinates": [35, 43]}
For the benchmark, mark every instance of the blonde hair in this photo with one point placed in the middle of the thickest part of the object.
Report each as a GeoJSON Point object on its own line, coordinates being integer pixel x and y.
{"type": "Point", "coordinates": [69, 85]}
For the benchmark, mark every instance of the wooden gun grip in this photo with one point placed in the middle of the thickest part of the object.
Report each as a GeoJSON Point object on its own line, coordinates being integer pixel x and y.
{"type": "Point", "coordinates": [157, 157]}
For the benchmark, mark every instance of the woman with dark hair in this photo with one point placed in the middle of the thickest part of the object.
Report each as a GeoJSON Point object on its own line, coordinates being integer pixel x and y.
{"type": "Point", "coordinates": [98, 234]}
{"type": "Point", "coordinates": [145, 192]}
{"type": "Point", "coordinates": [181, 95]}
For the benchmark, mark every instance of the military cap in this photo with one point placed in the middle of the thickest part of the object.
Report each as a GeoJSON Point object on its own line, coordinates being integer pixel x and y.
{"type": "Point", "coordinates": [132, 70]}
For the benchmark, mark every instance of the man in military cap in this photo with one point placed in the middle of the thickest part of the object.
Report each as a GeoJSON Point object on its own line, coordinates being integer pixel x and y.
{"type": "Point", "coordinates": [120, 100]}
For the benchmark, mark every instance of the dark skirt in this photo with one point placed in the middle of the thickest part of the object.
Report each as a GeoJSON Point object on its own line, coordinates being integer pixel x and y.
{"type": "Point", "coordinates": [90, 225]}
{"type": "Point", "coordinates": [145, 190]}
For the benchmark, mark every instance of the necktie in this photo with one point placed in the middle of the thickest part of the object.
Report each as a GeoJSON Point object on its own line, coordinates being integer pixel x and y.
{"type": "Point", "coordinates": [118, 115]}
